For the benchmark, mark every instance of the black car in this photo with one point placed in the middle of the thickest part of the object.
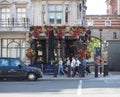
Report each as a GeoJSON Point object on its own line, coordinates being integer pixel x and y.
{"type": "Point", "coordinates": [14, 68]}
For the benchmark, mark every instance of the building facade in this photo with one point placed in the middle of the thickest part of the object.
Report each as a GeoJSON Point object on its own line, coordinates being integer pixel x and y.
{"type": "Point", "coordinates": [19, 17]}
{"type": "Point", "coordinates": [107, 29]}
{"type": "Point", "coordinates": [110, 25]}
{"type": "Point", "coordinates": [14, 27]}
{"type": "Point", "coordinates": [113, 7]}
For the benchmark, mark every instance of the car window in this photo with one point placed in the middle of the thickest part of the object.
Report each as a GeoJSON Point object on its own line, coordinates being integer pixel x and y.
{"type": "Point", "coordinates": [4, 62]}
{"type": "Point", "coordinates": [14, 62]}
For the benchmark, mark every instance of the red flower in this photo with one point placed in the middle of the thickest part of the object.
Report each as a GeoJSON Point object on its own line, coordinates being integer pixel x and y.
{"type": "Point", "coordinates": [30, 53]}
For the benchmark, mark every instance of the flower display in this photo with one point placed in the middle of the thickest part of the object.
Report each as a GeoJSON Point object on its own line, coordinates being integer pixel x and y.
{"type": "Point", "coordinates": [35, 33]}
{"type": "Point", "coordinates": [59, 31]}
{"type": "Point", "coordinates": [30, 53]}
{"type": "Point", "coordinates": [84, 53]}
{"type": "Point", "coordinates": [87, 54]}
{"type": "Point", "coordinates": [76, 30]}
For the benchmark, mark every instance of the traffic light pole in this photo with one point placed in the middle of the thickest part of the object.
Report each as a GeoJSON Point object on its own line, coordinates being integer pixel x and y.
{"type": "Point", "coordinates": [101, 50]}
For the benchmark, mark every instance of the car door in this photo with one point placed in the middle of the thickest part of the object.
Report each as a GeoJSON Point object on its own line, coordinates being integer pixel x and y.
{"type": "Point", "coordinates": [15, 70]}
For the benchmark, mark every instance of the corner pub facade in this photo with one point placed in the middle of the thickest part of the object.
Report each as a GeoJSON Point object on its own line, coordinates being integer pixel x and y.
{"type": "Point", "coordinates": [41, 31]}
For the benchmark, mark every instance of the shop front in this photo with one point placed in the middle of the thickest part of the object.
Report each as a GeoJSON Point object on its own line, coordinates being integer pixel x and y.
{"type": "Point", "coordinates": [48, 44]}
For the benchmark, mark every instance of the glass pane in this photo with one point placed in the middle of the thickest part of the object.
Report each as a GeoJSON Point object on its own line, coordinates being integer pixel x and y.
{"type": "Point", "coordinates": [23, 15]}
{"type": "Point", "coordinates": [3, 10]}
{"type": "Point", "coordinates": [13, 44]}
{"type": "Point", "coordinates": [59, 8]}
{"type": "Point", "coordinates": [59, 18]}
{"type": "Point", "coordinates": [51, 8]}
{"type": "Point", "coordinates": [18, 15]}
{"type": "Point", "coordinates": [18, 9]}
{"type": "Point", "coordinates": [4, 43]}
{"type": "Point", "coordinates": [5, 52]}
{"type": "Point", "coordinates": [51, 18]}
{"type": "Point", "coordinates": [23, 55]}
{"type": "Point", "coordinates": [3, 16]}
{"type": "Point", "coordinates": [23, 10]}
{"type": "Point", "coordinates": [7, 10]}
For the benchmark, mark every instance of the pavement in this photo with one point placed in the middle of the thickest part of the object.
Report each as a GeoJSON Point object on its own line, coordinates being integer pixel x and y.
{"type": "Point", "coordinates": [111, 75]}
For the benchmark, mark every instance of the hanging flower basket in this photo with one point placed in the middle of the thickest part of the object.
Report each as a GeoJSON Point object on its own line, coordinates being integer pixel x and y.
{"type": "Point", "coordinates": [30, 53]}
{"type": "Point", "coordinates": [75, 31]}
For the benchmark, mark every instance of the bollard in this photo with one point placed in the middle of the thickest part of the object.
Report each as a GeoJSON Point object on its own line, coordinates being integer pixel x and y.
{"type": "Point", "coordinates": [55, 70]}
{"type": "Point", "coordinates": [100, 69]}
{"type": "Point", "coordinates": [83, 71]}
{"type": "Point", "coordinates": [69, 71]}
{"type": "Point", "coordinates": [105, 70]}
{"type": "Point", "coordinates": [96, 70]}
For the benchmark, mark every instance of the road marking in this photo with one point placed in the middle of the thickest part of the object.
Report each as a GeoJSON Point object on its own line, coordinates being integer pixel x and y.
{"type": "Point", "coordinates": [111, 81]}
{"type": "Point", "coordinates": [79, 90]}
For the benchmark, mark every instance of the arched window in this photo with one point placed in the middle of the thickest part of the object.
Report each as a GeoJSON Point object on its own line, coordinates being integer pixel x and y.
{"type": "Point", "coordinates": [13, 48]}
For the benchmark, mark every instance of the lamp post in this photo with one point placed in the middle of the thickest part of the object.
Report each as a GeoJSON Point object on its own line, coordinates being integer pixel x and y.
{"type": "Point", "coordinates": [101, 50]}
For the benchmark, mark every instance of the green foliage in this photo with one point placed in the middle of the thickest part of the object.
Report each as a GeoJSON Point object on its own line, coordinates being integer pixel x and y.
{"type": "Point", "coordinates": [94, 43]}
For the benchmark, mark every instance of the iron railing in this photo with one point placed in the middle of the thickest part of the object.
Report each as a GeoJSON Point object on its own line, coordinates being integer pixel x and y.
{"type": "Point", "coordinates": [15, 22]}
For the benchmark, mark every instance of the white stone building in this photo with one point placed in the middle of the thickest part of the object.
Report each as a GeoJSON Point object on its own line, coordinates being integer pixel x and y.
{"type": "Point", "coordinates": [17, 16]}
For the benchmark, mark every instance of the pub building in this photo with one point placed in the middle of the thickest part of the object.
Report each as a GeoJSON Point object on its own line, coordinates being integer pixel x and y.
{"type": "Point", "coordinates": [48, 43]}
{"type": "Point", "coordinates": [57, 31]}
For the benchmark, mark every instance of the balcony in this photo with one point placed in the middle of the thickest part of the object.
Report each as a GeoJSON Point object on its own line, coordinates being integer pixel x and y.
{"type": "Point", "coordinates": [15, 25]}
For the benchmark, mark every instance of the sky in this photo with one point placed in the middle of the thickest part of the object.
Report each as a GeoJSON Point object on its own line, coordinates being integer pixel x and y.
{"type": "Point", "coordinates": [96, 7]}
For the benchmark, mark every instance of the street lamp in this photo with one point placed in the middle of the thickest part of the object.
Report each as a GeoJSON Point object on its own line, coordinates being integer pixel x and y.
{"type": "Point", "coordinates": [101, 49]}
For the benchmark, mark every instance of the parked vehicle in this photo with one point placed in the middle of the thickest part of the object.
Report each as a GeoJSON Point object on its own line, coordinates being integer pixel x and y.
{"type": "Point", "coordinates": [14, 68]}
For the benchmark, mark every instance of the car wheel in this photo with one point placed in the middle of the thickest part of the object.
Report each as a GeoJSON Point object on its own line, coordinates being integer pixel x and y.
{"type": "Point", "coordinates": [32, 77]}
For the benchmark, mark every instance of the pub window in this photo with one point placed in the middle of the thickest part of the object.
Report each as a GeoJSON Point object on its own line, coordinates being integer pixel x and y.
{"type": "Point", "coordinates": [55, 14]}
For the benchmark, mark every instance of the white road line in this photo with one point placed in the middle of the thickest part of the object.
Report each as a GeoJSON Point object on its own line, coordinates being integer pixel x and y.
{"type": "Point", "coordinates": [79, 90]}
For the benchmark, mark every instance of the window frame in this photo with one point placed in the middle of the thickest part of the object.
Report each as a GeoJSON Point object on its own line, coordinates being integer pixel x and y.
{"type": "Point", "coordinates": [4, 16]}
{"type": "Point", "coordinates": [55, 14]}
{"type": "Point", "coordinates": [107, 22]}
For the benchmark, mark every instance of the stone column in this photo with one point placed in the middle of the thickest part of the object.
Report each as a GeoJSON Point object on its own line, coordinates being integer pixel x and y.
{"type": "Point", "coordinates": [63, 48]}
{"type": "Point", "coordinates": [47, 50]}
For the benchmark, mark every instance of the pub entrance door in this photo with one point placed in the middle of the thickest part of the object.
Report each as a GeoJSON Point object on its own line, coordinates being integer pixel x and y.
{"type": "Point", "coordinates": [70, 48]}
{"type": "Point", "coordinates": [39, 46]}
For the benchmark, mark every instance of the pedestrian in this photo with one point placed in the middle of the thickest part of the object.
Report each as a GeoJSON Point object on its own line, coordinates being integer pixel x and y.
{"type": "Point", "coordinates": [60, 67]}
{"type": "Point", "coordinates": [88, 68]}
{"type": "Point", "coordinates": [77, 64]}
{"type": "Point", "coordinates": [83, 67]}
{"type": "Point", "coordinates": [73, 66]}
{"type": "Point", "coordinates": [68, 66]}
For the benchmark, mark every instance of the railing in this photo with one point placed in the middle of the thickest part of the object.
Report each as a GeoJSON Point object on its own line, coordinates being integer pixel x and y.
{"type": "Point", "coordinates": [15, 22]}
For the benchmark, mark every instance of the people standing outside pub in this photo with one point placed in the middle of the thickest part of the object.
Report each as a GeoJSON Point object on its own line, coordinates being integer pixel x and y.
{"type": "Point", "coordinates": [77, 67]}
{"type": "Point", "coordinates": [60, 67]}
{"type": "Point", "coordinates": [73, 66]}
{"type": "Point", "coordinates": [83, 67]}
{"type": "Point", "coordinates": [68, 66]}
{"type": "Point", "coordinates": [97, 62]}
